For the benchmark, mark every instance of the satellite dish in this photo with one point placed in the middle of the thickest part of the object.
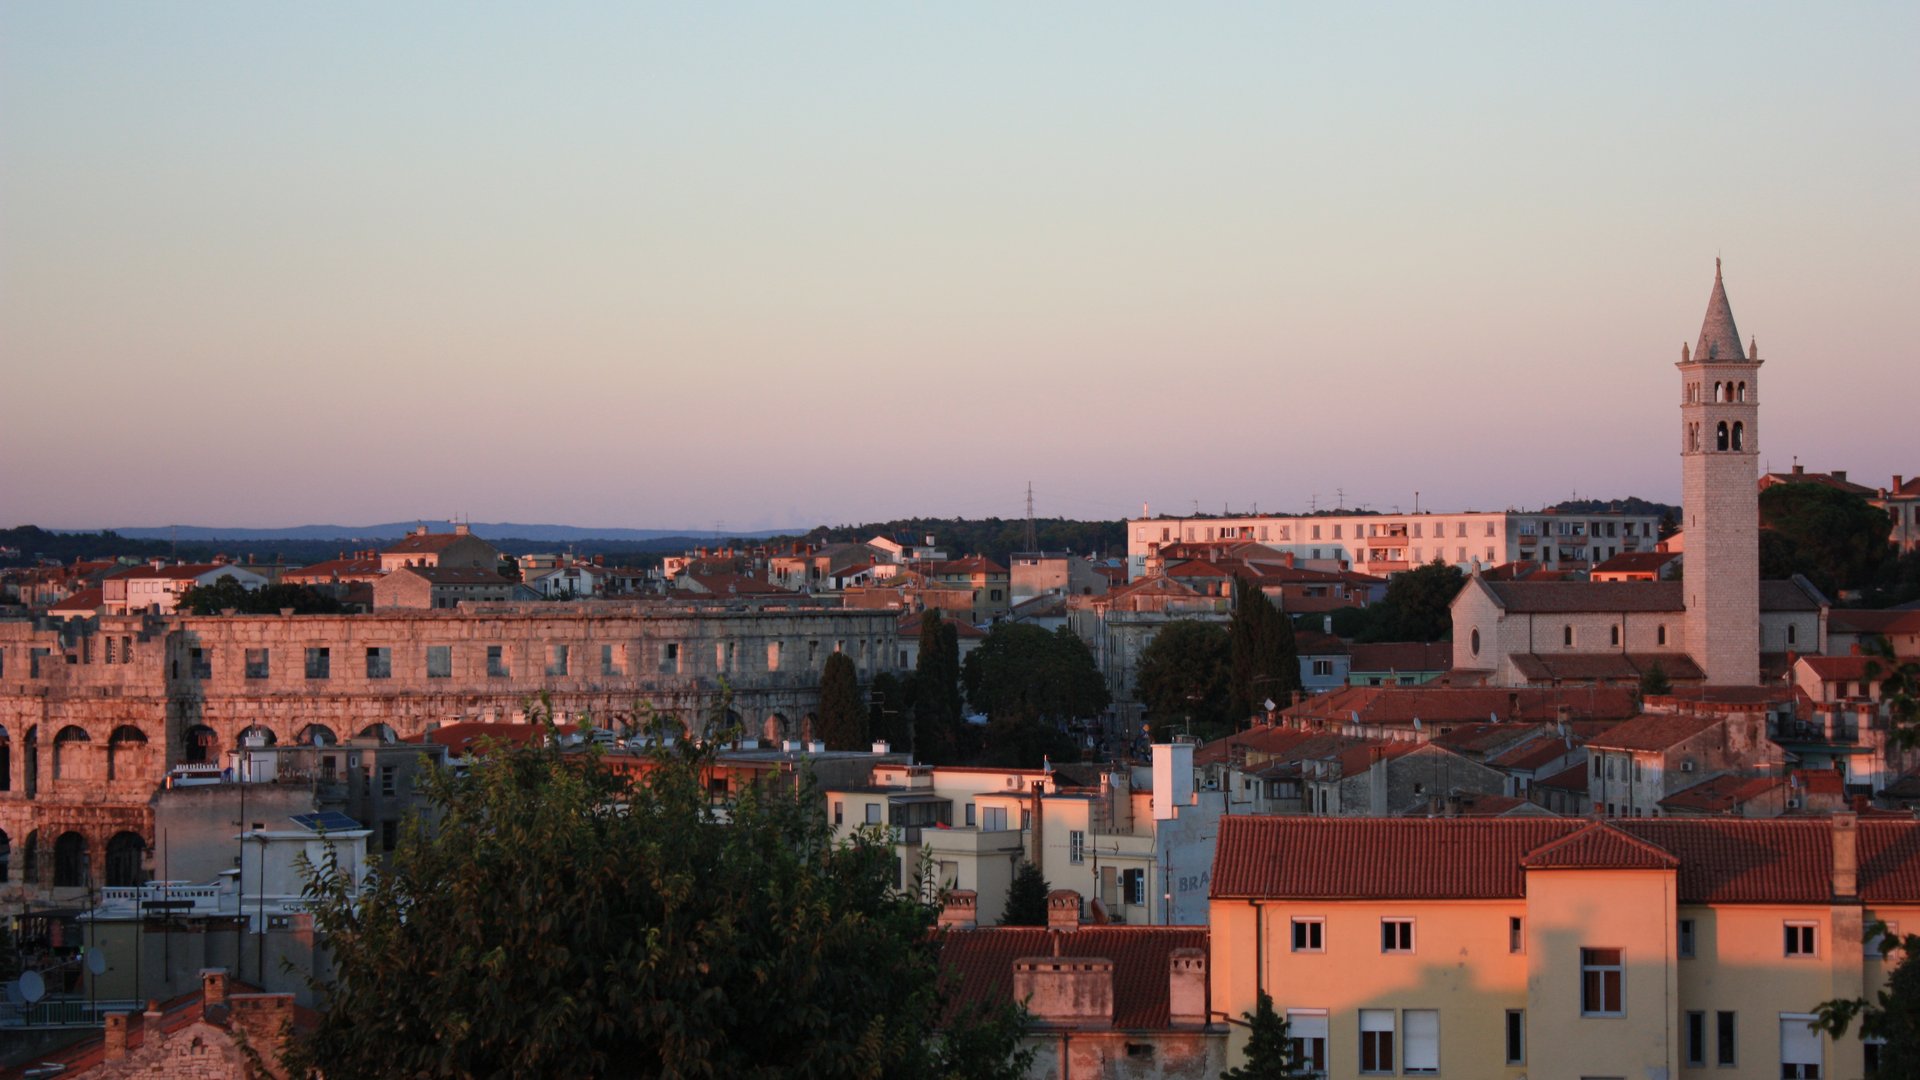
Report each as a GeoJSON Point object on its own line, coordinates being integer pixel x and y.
{"type": "Point", "coordinates": [1416, 723]}
{"type": "Point", "coordinates": [97, 961]}
{"type": "Point", "coordinates": [1269, 704]}
{"type": "Point", "coordinates": [32, 986]}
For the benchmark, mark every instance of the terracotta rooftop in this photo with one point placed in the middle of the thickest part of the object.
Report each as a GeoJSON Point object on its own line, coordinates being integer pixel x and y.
{"type": "Point", "coordinates": [455, 575]}
{"type": "Point", "coordinates": [1402, 656]}
{"type": "Point", "coordinates": [1582, 667]}
{"type": "Point", "coordinates": [462, 737]}
{"type": "Point", "coordinates": [1722, 793]}
{"type": "Point", "coordinates": [1466, 704]}
{"type": "Point", "coordinates": [1721, 860]}
{"type": "Point", "coordinates": [1569, 597]}
{"type": "Point", "coordinates": [972, 564]}
{"type": "Point", "coordinates": [1599, 846]}
{"type": "Point", "coordinates": [1860, 621]}
{"type": "Point", "coordinates": [1654, 731]}
{"type": "Point", "coordinates": [1837, 668]}
{"type": "Point", "coordinates": [983, 961]}
{"type": "Point", "coordinates": [427, 543]}
{"type": "Point", "coordinates": [1636, 562]}
{"type": "Point", "coordinates": [1572, 779]}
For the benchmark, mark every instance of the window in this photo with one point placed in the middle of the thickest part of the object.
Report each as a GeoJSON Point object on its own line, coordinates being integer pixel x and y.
{"type": "Point", "coordinates": [610, 661]}
{"type": "Point", "coordinates": [556, 660]}
{"type": "Point", "coordinates": [1871, 1049]}
{"type": "Point", "coordinates": [1516, 1036]}
{"type": "Point", "coordinates": [839, 812]}
{"type": "Point", "coordinates": [1615, 634]}
{"type": "Point", "coordinates": [439, 661]}
{"type": "Point", "coordinates": [379, 662]}
{"type": "Point", "coordinates": [773, 656]}
{"type": "Point", "coordinates": [497, 662]}
{"type": "Point", "coordinates": [1474, 641]}
{"type": "Point", "coordinates": [199, 661]}
{"type": "Point", "coordinates": [1695, 1037]}
{"type": "Point", "coordinates": [970, 815]}
{"type": "Point", "coordinates": [1660, 635]}
{"type": "Point", "coordinates": [1323, 667]}
{"type": "Point", "coordinates": [1601, 974]}
{"type": "Point", "coordinates": [1421, 1054]}
{"type": "Point", "coordinates": [1309, 935]}
{"type": "Point", "coordinates": [1516, 934]}
{"type": "Point", "coordinates": [1134, 882]}
{"type": "Point", "coordinates": [389, 834]}
{"type": "Point", "coordinates": [1308, 1030]}
{"type": "Point", "coordinates": [993, 819]}
{"type": "Point", "coordinates": [1726, 1053]}
{"type": "Point", "coordinates": [1800, 938]}
{"type": "Point", "coordinates": [1800, 1050]}
{"type": "Point", "coordinates": [1566, 636]}
{"type": "Point", "coordinates": [1376, 1040]}
{"type": "Point", "coordinates": [1790, 633]}
{"type": "Point", "coordinates": [1396, 935]}
{"type": "Point", "coordinates": [1076, 846]}
{"type": "Point", "coordinates": [1686, 937]}
{"type": "Point", "coordinates": [257, 662]}
{"type": "Point", "coordinates": [319, 663]}
{"type": "Point", "coordinates": [873, 813]}
{"type": "Point", "coordinates": [669, 657]}
{"type": "Point", "coordinates": [386, 780]}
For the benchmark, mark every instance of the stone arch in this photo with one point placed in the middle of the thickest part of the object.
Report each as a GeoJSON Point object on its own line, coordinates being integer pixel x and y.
{"type": "Point", "coordinates": [70, 869]}
{"type": "Point", "coordinates": [809, 724]}
{"type": "Point", "coordinates": [1719, 391]}
{"type": "Point", "coordinates": [261, 732]}
{"type": "Point", "coordinates": [774, 729]}
{"type": "Point", "coordinates": [70, 753]}
{"type": "Point", "coordinates": [318, 735]}
{"type": "Point", "coordinates": [30, 859]}
{"type": "Point", "coordinates": [126, 753]}
{"type": "Point", "coordinates": [1720, 436]}
{"type": "Point", "coordinates": [6, 761]}
{"type": "Point", "coordinates": [378, 731]}
{"type": "Point", "coordinates": [126, 857]}
{"type": "Point", "coordinates": [1742, 392]}
{"type": "Point", "coordinates": [1739, 435]}
{"type": "Point", "coordinates": [200, 745]}
{"type": "Point", "coordinates": [30, 761]}
{"type": "Point", "coordinates": [6, 856]}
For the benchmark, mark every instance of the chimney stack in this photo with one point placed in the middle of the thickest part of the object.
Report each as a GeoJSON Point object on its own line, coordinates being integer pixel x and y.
{"type": "Point", "coordinates": [1187, 987]}
{"type": "Point", "coordinates": [961, 911]}
{"type": "Point", "coordinates": [1063, 910]}
{"type": "Point", "coordinates": [116, 1036]}
{"type": "Point", "coordinates": [1840, 475]}
{"type": "Point", "coordinates": [1846, 855]}
{"type": "Point", "coordinates": [213, 986]}
{"type": "Point", "coordinates": [1897, 479]}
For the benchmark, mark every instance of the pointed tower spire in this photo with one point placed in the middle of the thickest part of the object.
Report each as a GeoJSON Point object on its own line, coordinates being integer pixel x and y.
{"type": "Point", "coordinates": [1719, 339]}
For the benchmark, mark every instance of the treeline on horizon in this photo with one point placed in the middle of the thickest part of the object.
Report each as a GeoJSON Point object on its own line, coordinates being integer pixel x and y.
{"type": "Point", "coordinates": [996, 538]}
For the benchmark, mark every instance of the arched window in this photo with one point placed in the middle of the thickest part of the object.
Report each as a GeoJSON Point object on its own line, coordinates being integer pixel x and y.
{"type": "Point", "coordinates": [1739, 431]}
{"type": "Point", "coordinates": [1566, 635]}
{"type": "Point", "coordinates": [258, 736]}
{"type": "Point", "coordinates": [6, 855]}
{"type": "Point", "coordinates": [1720, 438]}
{"type": "Point", "coordinates": [1615, 634]}
{"type": "Point", "coordinates": [318, 735]}
{"type": "Point", "coordinates": [379, 731]}
{"type": "Point", "coordinates": [1743, 392]}
{"type": "Point", "coordinates": [1660, 635]}
{"type": "Point", "coordinates": [6, 762]}
{"type": "Point", "coordinates": [1693, 437]}
{"type": "Point", "coordinates": [1474, 641]}
{"type": "Point", "coordinates": [1719, 393]}
{"type": "Point", "coordinates": [125, 853]}
{"type": "Point", "coordinates": [1790, 634]}
{"type": "Point", "coordinates": [126, 753]}
{"type": "Point", "coordinates": [69, 753]}
{"type": "Point", "coordinates": [69, 861]}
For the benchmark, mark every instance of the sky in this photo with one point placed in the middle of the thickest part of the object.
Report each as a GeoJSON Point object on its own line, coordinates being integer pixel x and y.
{"type": "Point", "coordinates": [745, 266]}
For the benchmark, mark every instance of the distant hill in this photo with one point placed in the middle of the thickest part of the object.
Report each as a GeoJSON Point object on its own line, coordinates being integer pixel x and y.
{"type": "Point", "coordinates": [491, 530]}
{"type": "Point", "coordinates": [1629, 505]}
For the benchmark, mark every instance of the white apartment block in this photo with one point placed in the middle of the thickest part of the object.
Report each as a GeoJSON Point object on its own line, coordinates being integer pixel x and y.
{"type": "Point", "coordinates": [1382, 544]}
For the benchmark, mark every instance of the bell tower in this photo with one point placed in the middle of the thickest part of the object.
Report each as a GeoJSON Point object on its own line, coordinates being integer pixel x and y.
{"type": "Point", "coordinates": [1719, 466]}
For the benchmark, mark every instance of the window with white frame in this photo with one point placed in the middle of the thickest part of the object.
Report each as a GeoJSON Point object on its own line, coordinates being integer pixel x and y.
{"type": "Point", "coordinates": [1076, 846]}
{"type": "Point", "coordinates": [1308, 1030]}
{"type": "Point", "coordinates": [1516, 934]}
{"type": "Point", "coordinates": [1800, 938]}
{"type": "Point", "coordinates": [1602, 982]}
{"type": "Point", "coordinates": [1396, 935]}
{"type": "Point", "coordinates": [1420, 1053]}
{"type": "Point", "coordinates": [1133, 885]}
{"type": "Point", "coordinates": [1800, 1051]}
{"type": "Point", "coordinates": [1376, 1040]}
{"type": "Point", "coordinates": [873, 813]}
{"type": "Point", "coordinates": [1309, 935]}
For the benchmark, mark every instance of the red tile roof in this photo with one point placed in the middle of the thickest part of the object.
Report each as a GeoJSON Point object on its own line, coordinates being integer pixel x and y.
{"type": "Point", "coordinates": [1570, 597]}
{"type": "Point", "coordinates": [983, 961]}
{"type": "Point", "coordinates": [1654, 731]}
{"type": "Point", "coordinates": [1859, 621]}
{"type": "Point", "coordinates": [430, 542]}
{"type": "Point", "coordinates": [1721, 860]}
{"type": "Point", "coordinates": [455, 575]}
{"type": "Point", "coordinates": [1572, 779]}
{"type": "Point", "coordinates": [84, 602]}
{"type": "Point", "coordinates": [1402, 656]}
{"type": "Point", "coordinates": [1599, 846]}
{"type": "Point", "coordinates": [1722, 794]}
{"type": "Point", "coordinates": [1466, 704]}
{"type": "Point", "coordinates": [461, 737]}
{"type": "Point", "coordinates": [972, 564]}
{"type": "Point", "coordinates": [1637, 562]}
{"type": "Point", "coordinates": [1586, 667]}
{"type": "Point", "coordinates": [1839, 668]}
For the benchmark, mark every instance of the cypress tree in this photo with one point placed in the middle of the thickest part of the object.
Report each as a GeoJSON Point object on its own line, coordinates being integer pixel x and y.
{"type": "Point", "coordinates": [843, 716]}
{"type": "Point", "coordinates": [1026, 897]}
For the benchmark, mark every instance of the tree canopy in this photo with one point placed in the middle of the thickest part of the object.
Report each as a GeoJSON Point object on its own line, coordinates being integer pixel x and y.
{"type": "Point", "coordinates": [936, 697]}
{"type": "Point", "coordinates": [843, 716]}
{"type": "Point", "coordinates": [565, 920]}
{"type": "Point", "coordinates": [1264, 660]}
{"type": "Point", "coordinates": [1892, 1015]}
{"type": "Point", "coordinates": [1026, 897]}
{"type": "Point", "coordinates": [1029, 682]}
{"type": "Point", "coordinates": [1270, 1048]}
{"type": "Point", "coordinates": [1418, 605]}
{"type": "Point", "coordinates": [1836, 538]}
{"type": "Point", "coordinates": [266, 600]}
{"type": "Point", "coordinates": [1183, 674]}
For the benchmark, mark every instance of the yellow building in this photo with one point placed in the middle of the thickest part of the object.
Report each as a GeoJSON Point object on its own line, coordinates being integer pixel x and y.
{"type": "Point", "coordinates": [1559, 948]}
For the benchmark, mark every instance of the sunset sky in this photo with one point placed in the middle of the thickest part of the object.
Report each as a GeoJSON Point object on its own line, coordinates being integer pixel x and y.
{"type": "Point", "coordinates": [660, 265]}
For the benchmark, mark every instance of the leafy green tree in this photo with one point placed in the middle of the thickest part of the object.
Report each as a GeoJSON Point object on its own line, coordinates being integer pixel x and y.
{"type": "Point", "coordinates": [227, 593]}
{"type": "Point", "coordinates": [1835, 538]}
{"type": "Point", "coordinates": [1418, 604]}
{"type": "Point", "coordinates": [567, 920]}
{"type": "Point", "coordinates": [1655, 681]}
{"type": "Point", "coordinates": [1264, 658]}
{"type": "Point", "coordinates": [1183, 675]}
{"type": "Point", "coordinates": [1270, 1053]}
{"type": "Point", "coordinates": [1029, 682]}
{"type": "Point", "coordinates": [1893, 1014]}
{"type": "Point", "coordinates": [937, 713]}
{"type": "Point", "coordinates": [1026, 897]}
{"type": "Point", "coordinates": [843, 716]}
{"type": "Point", "coordinates": [1899, 689]}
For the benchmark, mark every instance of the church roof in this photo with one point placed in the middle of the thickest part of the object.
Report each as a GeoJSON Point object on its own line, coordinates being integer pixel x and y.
{"type": "Point", "coordinates": [1719, 338]}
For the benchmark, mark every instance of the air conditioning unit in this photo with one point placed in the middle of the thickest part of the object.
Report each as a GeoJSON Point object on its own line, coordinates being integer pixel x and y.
{"type": "Point", "coordinates": [1793, 803]}
{"type": "Point", "coordinates": [1686, 766]}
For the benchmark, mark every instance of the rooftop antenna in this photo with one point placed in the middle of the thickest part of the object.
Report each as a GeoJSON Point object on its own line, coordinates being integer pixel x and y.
{"type": "Point", "coordinates": [1340, 494]}
{"type": "Point", "coordinates": [1030, 540]}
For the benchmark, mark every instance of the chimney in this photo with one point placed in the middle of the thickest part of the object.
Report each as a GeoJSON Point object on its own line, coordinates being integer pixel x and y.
{"type": "Point", "coordinates": [1840, 475]}
{"type": "Point", "coordinates": [153, 1013]}
{"type": "Point", "coordinates": [461, 528]}
{"type": "Point", "coordinates": [1846, 855]}
{"type": "Point", "coordinates": [1799, 469]}
{"type": "Point", "coordinates": [116, 1036]}
{"type": "Point", "coordinates": [961, 911]}
{"type": "Point", "coordinates": [1074, 991]}
{"type": "Point", "coordinates": [1897, 480]}
{"type": "Point", "coordinates": [1187, 987]}
{"type": "Point", "coordinates": [213, 985]}
{"type": "Point", "coordinates": [1063, 910]}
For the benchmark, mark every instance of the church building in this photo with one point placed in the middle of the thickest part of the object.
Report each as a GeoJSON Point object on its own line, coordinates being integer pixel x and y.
{"type": "Point", "coordinates": [1720, 625]}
